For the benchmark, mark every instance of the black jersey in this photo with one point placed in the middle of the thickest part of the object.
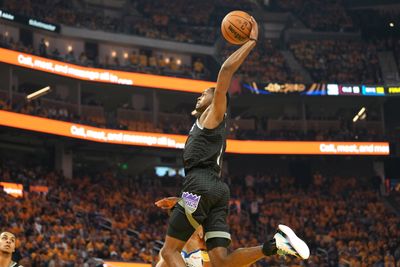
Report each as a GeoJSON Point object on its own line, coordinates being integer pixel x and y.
{"type": "Point", "coordinates": [204, 148]}
{"type": "Point", "coordinates": [204, 196]}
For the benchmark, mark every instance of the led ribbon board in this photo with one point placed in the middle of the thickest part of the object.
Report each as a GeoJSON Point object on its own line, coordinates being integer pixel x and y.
{"type": "Point", "coordinates": [321, 89]}
{"type": "Point", "coordinates": [29, 21]}
{"type": "Point", "coordinates": [182, 84]}
{"type": "Point", "coordinates": [102, 75]}
{"type": "Point", "coordinates": [148, 139]}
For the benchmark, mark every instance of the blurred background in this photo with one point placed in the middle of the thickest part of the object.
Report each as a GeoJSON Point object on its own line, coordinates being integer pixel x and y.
{"type": "Point", "coordinates": [81, 166]}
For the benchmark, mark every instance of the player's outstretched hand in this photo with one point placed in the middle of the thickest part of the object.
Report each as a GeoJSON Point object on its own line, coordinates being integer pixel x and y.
{"type": "Point", "coordinates": [254, 29]}
{"type": "Point", "coordinates": [167, 203]}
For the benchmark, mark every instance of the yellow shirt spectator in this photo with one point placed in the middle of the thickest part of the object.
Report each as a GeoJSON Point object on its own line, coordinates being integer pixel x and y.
{"type": "Point", "coordinates": [143, 60]}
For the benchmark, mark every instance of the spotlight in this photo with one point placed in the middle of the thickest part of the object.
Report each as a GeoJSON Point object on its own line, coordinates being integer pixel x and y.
{"type": "Point", "coordinates": [38, 93]}
{"type": "Point", "coordinates": [360, 115]}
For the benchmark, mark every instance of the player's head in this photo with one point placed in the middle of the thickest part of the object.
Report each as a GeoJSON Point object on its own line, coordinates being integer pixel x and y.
{"type": "Point", "coordinates": [205, 100]}
{"type": "Point", "coordinates": [7, 242]}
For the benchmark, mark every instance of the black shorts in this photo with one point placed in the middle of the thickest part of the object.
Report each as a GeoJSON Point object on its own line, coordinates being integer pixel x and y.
{"type": "Point", "coordinates": [204, 201]}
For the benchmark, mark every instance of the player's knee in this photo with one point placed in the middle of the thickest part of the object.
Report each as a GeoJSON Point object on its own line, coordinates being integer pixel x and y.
{"type": "Point", "coordinates": [219, 257]}
{"type": "Point", "coordinates": [220, 262]}
{"type": "Point", "coordinates": [168, 253]}
{"type": "Point", "coordinates": [164, 253]}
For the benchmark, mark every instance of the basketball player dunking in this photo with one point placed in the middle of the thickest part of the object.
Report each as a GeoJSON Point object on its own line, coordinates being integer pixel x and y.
{"type": "Point", "coordinates": [205, 197]}
{"type": "Point", "coordinates": [7, 248]}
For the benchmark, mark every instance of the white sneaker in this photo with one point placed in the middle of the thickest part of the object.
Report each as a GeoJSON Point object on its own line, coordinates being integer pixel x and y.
{"type": "Point", "coordinates": [287, 242]}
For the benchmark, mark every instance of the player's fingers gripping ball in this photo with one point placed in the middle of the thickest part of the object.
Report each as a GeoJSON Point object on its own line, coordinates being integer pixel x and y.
{"type": "Point", "coordinates": [236, 27]}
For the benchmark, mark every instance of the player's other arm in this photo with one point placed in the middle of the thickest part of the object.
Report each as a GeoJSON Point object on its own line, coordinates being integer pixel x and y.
{"type": "Point", "coordinates": [167, 203]}
{"type": "Point", "coordinates": [230, 66]}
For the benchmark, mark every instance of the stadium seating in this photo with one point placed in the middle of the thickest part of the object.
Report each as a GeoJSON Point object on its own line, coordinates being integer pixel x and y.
{"type": "Point", "coordinates": [198, 22]}
{"type": "Point", "coordinates": [183, 21]}
{"type": "Point", "coordinates": [179, 122]}
{"type": "Point", "coordinates": [339, 61]}
{"type": "Point", "coordinates": [143, 63]}
{"type": "Point", "coordinates": [325, 15]}
{"type": "Point", "coordinates": [265, 64]}
{"type": "Point", "coordinates": [113, 217]}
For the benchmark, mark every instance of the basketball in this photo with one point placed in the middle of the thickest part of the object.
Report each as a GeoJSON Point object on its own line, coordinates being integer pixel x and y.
{"type": "Point", "coordinates": [236, 27]}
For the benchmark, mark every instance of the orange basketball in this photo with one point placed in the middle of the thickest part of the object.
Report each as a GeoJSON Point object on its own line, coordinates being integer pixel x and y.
{"type": "Point", "coordinates": [236, 27]}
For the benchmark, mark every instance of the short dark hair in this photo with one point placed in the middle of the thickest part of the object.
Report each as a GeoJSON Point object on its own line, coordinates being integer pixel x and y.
{"type": "Point", "coordinates": [8, 232]}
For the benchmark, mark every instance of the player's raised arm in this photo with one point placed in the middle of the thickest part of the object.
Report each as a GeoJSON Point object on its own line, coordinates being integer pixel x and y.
{"type": "Point", "coordinates": [230, 66]}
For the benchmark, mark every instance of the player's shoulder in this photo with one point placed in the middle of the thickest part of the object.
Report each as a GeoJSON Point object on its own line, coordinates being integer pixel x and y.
{"type": "Point", "coordinates": [201, 128]}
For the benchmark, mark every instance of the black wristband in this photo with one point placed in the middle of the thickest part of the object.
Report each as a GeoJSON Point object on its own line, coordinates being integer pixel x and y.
{"type": "Point", "coordinates": [252, 39]}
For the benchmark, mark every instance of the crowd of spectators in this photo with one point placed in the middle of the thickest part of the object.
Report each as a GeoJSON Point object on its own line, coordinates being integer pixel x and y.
{"type": "Point", "coordinates": [137, 61]}
{"type": "Point", "coordinates": [57, 113]}
{"type": "Point", "coordinates": [82, 218]}
{"type": "Point", "coordinates": [338, 215]}
{"type": "Point", "coordinates": [325, 15]}
{"type": "Point", "coordinates": [326, 60]}
{"type": "Point", "coordinates": [339, 61]}
{"type": "Point", "coordinates": [179, 123]}
{"type": "Point", "coordinates": [264, 64]}
{"type": "Point", "coordinates": [112, 216]}
{"type": "Point", "coordinates": [183, 21]}
{"type": "Point", "coordinates": [393, 186]}
{"type": "Point", "coordinates": [180, 20]}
